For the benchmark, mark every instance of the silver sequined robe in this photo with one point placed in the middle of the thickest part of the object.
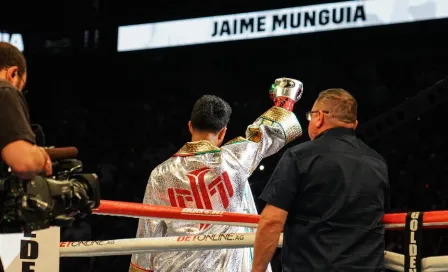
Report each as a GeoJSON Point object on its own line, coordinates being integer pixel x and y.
{"type": "Point", "coordinates": [201, 175]}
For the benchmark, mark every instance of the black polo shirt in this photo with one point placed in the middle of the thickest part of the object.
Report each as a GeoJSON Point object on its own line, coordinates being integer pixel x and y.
{"type": "Point", "coordinates": [334, 189]}
{"type": "Point", "coordinates": [14, 117]}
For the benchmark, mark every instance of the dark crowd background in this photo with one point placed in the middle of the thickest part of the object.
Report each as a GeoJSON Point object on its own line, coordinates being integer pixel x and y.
{"type": "Point", "coordinates": [128, 112]}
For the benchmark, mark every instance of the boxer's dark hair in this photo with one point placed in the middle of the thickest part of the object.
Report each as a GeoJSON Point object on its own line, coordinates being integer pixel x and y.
{"type": "Point", "coordinates": [210, 113]}
{"type": "Point", "coordinates": [340, 103]}
{"type": "Point", "coordinates": [11, 56]}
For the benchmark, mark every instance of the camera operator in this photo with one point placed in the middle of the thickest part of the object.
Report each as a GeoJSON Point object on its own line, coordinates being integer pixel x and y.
{"type": "Point", "coordinates": [17, 140]}
{"type": "Point", "coordinates": [50, 199]}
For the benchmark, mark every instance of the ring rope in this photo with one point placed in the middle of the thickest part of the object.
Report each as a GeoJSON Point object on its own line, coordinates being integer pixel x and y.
{"type": "Point", "coordinates": [146, 211]}
{"type": "Point", "coordinates": [393, 261]}
{"type": "Point", "coordinates": [392, 221]}
{"type": "Point", "coordinates": [163, 244]}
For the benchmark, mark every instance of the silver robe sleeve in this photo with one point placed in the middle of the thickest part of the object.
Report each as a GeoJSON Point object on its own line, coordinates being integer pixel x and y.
{"type": "Point", "coordinates": [265, 137]}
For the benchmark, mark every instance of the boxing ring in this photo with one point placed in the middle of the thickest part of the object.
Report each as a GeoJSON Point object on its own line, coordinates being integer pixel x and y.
{"type": "Point", "coordinates": [394, 221]}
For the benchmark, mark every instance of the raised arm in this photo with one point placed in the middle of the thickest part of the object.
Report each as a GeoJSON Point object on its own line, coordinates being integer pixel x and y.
{"type": "Point", "coordinates": [272, 130]}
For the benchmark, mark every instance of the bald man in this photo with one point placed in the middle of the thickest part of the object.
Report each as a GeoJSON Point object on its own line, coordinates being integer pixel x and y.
{"type": "Point", "coordinates": [327, 195]}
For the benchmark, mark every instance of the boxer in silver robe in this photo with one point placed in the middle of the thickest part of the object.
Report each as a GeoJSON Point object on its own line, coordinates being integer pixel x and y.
{"type": "Point", "coordinates": [204, 174]}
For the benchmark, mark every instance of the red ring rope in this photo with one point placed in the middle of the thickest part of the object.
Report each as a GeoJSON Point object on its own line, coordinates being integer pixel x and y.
{"type": "Point", "coordinates": [431, 220]}
{"type": "Point", "coordinates": [395, 221]}
{"type": "Point", "coordinates": [130, 209]}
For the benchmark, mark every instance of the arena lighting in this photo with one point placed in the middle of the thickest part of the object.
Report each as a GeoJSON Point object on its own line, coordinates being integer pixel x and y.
{"type": "Point", "coordinates": [14, 39]}
{"type": "Point", "coordinates": [261, 167]}
{"type": "Point", "coordinates": [279, 22]}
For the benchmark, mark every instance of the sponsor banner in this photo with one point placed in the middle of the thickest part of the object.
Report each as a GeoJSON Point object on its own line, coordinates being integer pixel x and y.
{"type": "Point", "coordinates": [212, 237]}
{"type": "Point", "coordinates": [162, 244]}
{"type": "Point", "coordinates": [36, 251]}
{"type": "Point", "coordinates": [200, 211]}
{"type": "Point", "coordinates": [86, 243]}
{"type": "Point", "coordinates": [413, 242]}
{"type": "Point", "coordinates": [14, 39]}
{"type": "Point", "coordinates": [271, 23]}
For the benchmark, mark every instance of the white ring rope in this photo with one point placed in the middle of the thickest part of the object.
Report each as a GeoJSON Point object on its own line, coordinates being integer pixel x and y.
{"type": "Point", "coordinates": [147, 245]}
{"type": "Point", "coordinates": [393, 261]}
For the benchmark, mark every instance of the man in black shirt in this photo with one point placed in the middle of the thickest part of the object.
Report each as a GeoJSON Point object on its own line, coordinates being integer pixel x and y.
{"type": "Point", "coordinates": [17, 140]}
{"type": "Point", "coordinates": [327, 195]}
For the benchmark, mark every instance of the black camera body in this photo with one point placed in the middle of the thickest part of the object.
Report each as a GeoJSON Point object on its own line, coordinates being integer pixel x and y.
{"type": "Point", "coordinates": [29, 205]}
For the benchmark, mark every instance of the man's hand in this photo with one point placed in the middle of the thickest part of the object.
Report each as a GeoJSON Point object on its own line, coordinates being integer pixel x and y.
{"type": "Point", "coordinates": [285, 92]}
{"type": "Point", "coordinates": [48, 167]}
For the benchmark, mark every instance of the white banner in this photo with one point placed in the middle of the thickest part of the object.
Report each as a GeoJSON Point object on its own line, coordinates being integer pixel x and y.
{"type": "Point", "coordinates": [271, 23]}
{"type": "Point", "coordinates": [14, 39]}
{"type": "Point", "coordinates": [38, 251]}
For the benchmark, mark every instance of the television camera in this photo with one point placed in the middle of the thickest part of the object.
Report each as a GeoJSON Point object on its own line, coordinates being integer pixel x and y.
{"type": "Point", "coordinates": [59, 200]}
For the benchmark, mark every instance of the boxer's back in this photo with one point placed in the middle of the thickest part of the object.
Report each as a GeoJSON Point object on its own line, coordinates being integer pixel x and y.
{"type": "Point", "coordinates": [204, 181]}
